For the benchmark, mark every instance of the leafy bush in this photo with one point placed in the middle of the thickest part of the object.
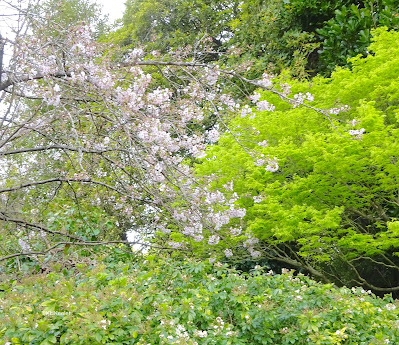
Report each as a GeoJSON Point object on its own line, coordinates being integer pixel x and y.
{"type": "Point", "coordinates": [168, 302]}
{"type": "Point", "coordinates": [348, 32]}
{"type": "Point", "coordinates": [332, 206]}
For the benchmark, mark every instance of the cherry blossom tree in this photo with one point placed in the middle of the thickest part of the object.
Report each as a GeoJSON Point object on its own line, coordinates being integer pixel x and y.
{"type": "Point", "coordinates": [86, 129]}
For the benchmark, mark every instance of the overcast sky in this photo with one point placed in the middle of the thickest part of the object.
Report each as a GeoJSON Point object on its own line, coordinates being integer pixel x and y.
{"type": "Point", "coordinates": [114, 8]}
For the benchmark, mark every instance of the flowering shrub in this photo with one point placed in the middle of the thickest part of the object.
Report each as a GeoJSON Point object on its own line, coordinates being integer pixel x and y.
{"type": "Point", "coordinates": [167, 302]}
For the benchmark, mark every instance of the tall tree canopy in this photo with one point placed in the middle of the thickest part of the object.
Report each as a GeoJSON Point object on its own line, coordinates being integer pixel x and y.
{"type": "Point", "coordinates": [331, 207]}
{"type": "Point", "coordinates": [306, 37]}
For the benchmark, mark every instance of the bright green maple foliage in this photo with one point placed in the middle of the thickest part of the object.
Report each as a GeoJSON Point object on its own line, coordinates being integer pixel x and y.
{"type": "Point", "coordinates": [333, 204]}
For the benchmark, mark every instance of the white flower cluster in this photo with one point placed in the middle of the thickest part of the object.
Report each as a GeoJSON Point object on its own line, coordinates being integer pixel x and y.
{"type": "Point", "coordinates": [390, 306]}
{"type": "Point", "coordinates": [24, 245]}
{"type": "Point", "coordinates": [263, 143]}
{"type": "Point", "coordinates": [286, 89]}
{"type": "Point", "coordinates": [105, 323]}
{"type": "Point", "coordinates": [357, 133]}
{"type": "Point", "coordinates": [336, 111]}
{"type": "Point", "coordinates": [200, 334]}
{"type": "Point", "coordinates": [213, 240]}
{"type": "Point", "coordinates": [271, 164]}
{"type": "Point", "coordinates": [218, 324]}
{"type": "Point", "coordinates": [245, 110]}
{"type": "Point", "coordinates": [135, 54]}
{"type": "Point", "coordinates": [266, 81]}
{"type": "Point", "coordinates": [175, 245]}
{"type": "Point", "coordinates": [229, 102]}
{"type": "Point", "coordinates": [299, 98]}
{"type": "Point", "coordinates": [235, 231]}
{"type": "Point", "coordinates": [213, 135]}
{"type": "Point", "coordinates": [249, 244]}
{"type": "Point", "coordinates": [211, 75]}
{"type": "Point", "coordinates": [265, 106]}
{"type": "Point", "coordinates": [257, 199]}
{"type": "Point", "coordinates": [255, 97]}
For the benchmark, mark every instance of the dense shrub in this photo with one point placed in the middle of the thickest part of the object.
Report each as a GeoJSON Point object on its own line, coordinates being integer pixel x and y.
{"type": "Point", "coordinates": [167, 302]}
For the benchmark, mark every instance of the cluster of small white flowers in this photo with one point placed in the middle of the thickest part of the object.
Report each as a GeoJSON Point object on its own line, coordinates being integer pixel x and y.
{"type": "Point", "coordinates": [273, 165]}
{"type": "Point", "coordinates": [237, 213]}
{"type": "Point", "coordinates": [299, 98]}
{"type": "Point", "coordinates": [336, 111]}
{"type": "Point", "coordinates": [357, 133]}
{"type": "Point", "coordinates": [213, 135]}
{"type": "Point", "coordinates": [229, 102]}
{"type": "Point", "coordinates": [219, 219]}
{"type": "Point", "coordinates": [35, 235]}
{"type": "Point", "coordinates": [200, 334]}
{"type": "Point", "coordinates": [105, 323]}
{"type": "Point", "coordinates": [175, 245]}
{"type": "Point", "coordinates": [257, 199]}
{"type": "Point", "coordinates": [190, 112]}
{"type": "Point", "coordinates": [159, 97]}
{"type": "Point", "coordinates": [83, 175]}
{"type": "Point", "coordinates": [286, 89]}
{"type": "Point", "coordinates": [250, 242]}
{"type": "Point", "coordinates": [245, 110]}
{"type": "Point", "coordinates": [211, 75]}
{"type": "Point", "coordinates": [265, 106]}
{"type": "Point", "coordinates": [182, 333]}
{"type": "Point", "coordinates": [235, 231]}
{"type": "Point", "coordinates": [218, 324]}
{"type": "Point", "coordinates": [309, 97]}
{"type": "Point", "coordinates": [263, 143]}
{"type": "Point", "coordinates": [135, 54]}
{"type": "Point", "coordinates": [213, 240]}
{"type": "Point", "coordinates": [24, 245]}
{"type": "Point", "coordinates": [255, 97]}
{"type": "Point", "coordinates": [254, 253]}
{"type": "Point", "coordinates": [266, 81]}
{"type": "Point", "coordinates": [259, 162]}
{"type": "Point", "coordinates": [229, 186]}
{"type": "Point", "coordinates": [390, 306]}
{"type": "Point", "coordinates": [228, 253]}
{"type": "Point", "coordinates": [52, 99]}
